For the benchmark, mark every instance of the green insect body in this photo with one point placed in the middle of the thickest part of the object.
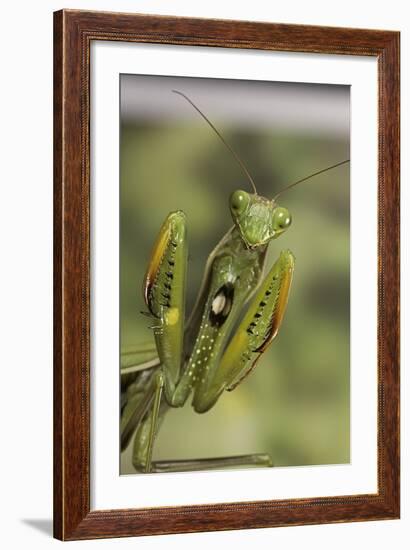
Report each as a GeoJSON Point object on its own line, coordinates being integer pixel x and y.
{"type": "Point", "coordinates": [216, 349]}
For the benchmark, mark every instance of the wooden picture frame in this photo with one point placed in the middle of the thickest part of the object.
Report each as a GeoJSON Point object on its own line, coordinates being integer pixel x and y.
{"type": "Point", "coordinates": [74, 32]}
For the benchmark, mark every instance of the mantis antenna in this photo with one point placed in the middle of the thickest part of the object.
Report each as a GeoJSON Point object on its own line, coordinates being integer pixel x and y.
{"type": "Point", "coordinates": [238, 160]}
{"type": "Point", "coordinates": [308, 177]}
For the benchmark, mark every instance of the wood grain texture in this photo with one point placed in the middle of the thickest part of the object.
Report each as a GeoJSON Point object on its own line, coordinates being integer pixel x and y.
{"type": "Point", "coordinates": [73, 33]}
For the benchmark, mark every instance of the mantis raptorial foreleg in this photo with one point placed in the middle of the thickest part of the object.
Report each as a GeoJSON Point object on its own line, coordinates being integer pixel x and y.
{"type": "Point", "coordinates": [164, 292]}
{"type": "Point", "coordinates": [256, 331]}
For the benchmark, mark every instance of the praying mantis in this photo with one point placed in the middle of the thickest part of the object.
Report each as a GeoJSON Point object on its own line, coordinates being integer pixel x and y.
{"type": "Point", "coordinates": [237, 315]}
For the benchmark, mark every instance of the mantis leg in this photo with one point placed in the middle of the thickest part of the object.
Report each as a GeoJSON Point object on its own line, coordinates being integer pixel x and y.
{"type": "Point", "coordinates": [164, 293]}
{"type": "Point", "coordinates": [201, 464]}
{"type": "Point", "coordinates": [255, 333]}
{"type": "Point", "coordinates": [138, 404]}
{"type": "Point", "coordinates": [145, 438]}
{"type": "Point", "coordinates": [138, 358]}
{"type": "Point", "coordinates": [148, 428]}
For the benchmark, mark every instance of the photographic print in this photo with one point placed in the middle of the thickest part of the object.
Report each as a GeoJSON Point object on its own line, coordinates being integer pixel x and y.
{"type": "Point", "coordinates": [234, 274]}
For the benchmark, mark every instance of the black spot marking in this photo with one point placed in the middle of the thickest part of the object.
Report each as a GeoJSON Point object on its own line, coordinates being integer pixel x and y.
{"type": "Point", "coordinates": [251, 326]}
{"type": "Point", "coordinates": [225, 293]}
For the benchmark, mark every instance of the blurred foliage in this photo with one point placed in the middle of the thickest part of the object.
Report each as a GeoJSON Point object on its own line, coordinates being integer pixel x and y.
{"type": "Point", "coordinates": [295, 405]}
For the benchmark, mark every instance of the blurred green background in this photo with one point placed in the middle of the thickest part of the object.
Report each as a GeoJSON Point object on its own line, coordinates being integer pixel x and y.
{"type": "Point", "coordinates": [295, 405]}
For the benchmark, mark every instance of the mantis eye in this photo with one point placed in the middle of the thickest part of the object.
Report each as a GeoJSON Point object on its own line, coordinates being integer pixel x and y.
{"type": "Point", "coordinates": [281, 219]}
{"type": "Point", "coordinates": [238, 202]}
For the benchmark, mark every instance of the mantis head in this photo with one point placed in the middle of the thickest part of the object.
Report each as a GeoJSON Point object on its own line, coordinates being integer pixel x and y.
{"type": "Point", "coordinates": [258, 219]}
